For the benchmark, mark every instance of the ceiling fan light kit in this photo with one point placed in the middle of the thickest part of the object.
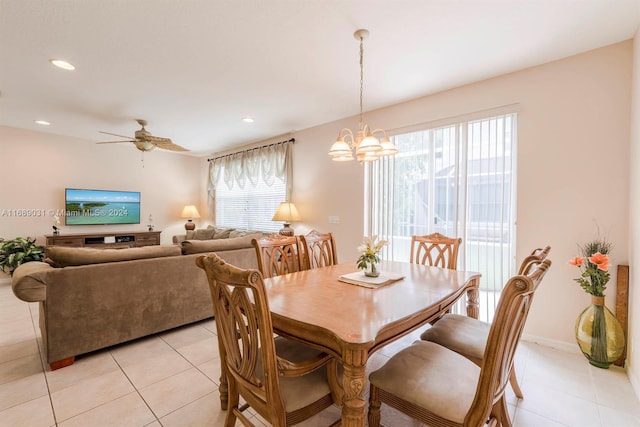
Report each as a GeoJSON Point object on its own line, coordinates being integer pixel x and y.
{"type": "Point", "coordinates": [366, 145]}
{"type": "Point", "coordinates": [145, 141]}
{"type": "Point", "coordinates": [144, 145]}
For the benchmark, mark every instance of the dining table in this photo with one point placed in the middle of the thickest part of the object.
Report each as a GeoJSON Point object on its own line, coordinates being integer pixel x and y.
{"type": "Point", "coordinates": [351, 321]}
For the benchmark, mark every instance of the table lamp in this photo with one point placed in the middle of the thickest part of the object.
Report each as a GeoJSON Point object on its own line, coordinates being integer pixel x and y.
{"type": "Point", "coordinates": [286, 212]}
{"type": "Point", "coordinates": [190, 212]}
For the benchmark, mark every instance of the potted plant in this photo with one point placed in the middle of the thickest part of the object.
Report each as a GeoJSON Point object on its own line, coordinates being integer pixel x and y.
{"type": "Point", "coordinates": [598, 332]}
{"type": "Point", "coordinates": [369, 258]}
{"type": "Point", "coordinates": [18, 251]}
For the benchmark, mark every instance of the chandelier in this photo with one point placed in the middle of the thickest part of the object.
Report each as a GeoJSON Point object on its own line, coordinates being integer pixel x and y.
{"type": "Point", "coordinates": [366, 145]}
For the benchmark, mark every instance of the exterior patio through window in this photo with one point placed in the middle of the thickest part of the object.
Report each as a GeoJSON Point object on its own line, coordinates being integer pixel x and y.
{"type": "Point", "coordinates": [457, 179]}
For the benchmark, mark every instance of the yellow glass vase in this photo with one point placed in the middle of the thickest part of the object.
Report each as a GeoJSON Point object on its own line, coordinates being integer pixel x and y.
{"type": "Point", "coordinates": [599, 334]}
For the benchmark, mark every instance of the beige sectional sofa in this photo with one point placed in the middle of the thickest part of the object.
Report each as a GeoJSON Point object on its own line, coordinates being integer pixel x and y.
{"type": "Point", "coordinates": [95, 298]}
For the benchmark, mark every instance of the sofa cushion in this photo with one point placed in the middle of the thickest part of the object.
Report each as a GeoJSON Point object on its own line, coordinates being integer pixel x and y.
{"type": "Point", "coordinates": [239, 232]}
{"type": "Point", "coordinates": [203, 234]}
{"type": "Point", "coordinates": [200, 246]}
{"type": "Point", "coordinates": [61, 256]}
{"type": "Point", "coordinates": [222, 233]}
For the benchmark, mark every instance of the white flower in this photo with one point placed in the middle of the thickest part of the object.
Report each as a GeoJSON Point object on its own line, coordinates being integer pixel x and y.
{"type": "Point", "coordinates": [369, 249]}
{"type": "Point", "coordinates": [371, 245]}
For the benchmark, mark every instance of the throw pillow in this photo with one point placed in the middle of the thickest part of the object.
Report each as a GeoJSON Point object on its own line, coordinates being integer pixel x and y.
{"type": "Point", "coordinates": [222, 233]}
{"type": "Point", "coordinates": [203, 234]}
{"type": "Point", "coordinates": [240, 233]}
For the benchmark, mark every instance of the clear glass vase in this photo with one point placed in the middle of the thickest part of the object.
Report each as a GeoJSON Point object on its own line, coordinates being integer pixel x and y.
{"type": "Point", "coordinates": [372, 270]}
{"type": "Point", "coordinates": [599, 334]}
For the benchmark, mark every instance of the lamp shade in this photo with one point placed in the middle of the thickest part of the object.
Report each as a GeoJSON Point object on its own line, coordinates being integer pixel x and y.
{"type": "Point", "coordinates": [190, 211]}
{"type": "Point", "coordinates": [340, 148]}
{"type": "Point", "coordinates": [287, 212]}
{"type": "Point", "coordinates": [388, 149]}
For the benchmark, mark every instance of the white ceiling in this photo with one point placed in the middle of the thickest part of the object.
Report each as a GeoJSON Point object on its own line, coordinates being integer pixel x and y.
{"type": "Point", "coordinates": [195, 68]}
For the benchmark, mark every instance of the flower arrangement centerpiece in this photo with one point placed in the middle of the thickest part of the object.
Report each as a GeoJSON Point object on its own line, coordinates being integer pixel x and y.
{"type": "Point", "coordinates": [369, 255]}
{"type": "Point", "coordinates": [598, 332]}
{"type": "Point", "coordinates": [594, 265]}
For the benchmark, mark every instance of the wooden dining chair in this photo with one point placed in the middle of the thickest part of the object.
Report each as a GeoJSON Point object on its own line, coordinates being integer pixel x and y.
{"type": "Point", "coordinates": [283, 381]}
{"type": "Point", "coordinates": [538, 254]}
{"type": "Point", "coordinates": [439, 387]}
{"type": "Point", "coordinates": [436, 250]}
{"type": "Point", "coordinates": [535, 257]}
{"type": "Point", "coordinates": [319, 249]}
{"type": "Point", "coordinates": [278, 255]}
{"type": "Point", "coordinates": [468, 336]}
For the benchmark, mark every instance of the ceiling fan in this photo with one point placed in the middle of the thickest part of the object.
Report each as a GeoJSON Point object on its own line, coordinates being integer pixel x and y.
{"type": "Point", "coordinates": [144, 141]}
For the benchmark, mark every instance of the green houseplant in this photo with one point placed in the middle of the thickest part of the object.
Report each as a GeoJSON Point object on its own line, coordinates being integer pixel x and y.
{"type": "Point", "coordinates": [18, 251]}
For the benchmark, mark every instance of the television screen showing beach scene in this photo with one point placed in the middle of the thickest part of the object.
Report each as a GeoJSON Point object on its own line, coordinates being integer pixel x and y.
{"type": "Point", "coordinates": [93, 207]}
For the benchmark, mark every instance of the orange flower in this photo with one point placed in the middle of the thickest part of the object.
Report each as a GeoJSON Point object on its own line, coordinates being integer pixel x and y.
{"type": "Point", "coordinates": [601, 260]}
{"type": "Point", "coordinates": [577, 261]}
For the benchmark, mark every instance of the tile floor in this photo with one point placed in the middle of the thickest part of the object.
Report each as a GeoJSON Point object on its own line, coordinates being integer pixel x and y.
{"type": "Point", "coordinates": [171, 379]}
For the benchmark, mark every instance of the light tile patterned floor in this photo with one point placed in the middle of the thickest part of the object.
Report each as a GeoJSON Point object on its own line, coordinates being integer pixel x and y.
{"type": "Point", "coordinates": [171, 380]}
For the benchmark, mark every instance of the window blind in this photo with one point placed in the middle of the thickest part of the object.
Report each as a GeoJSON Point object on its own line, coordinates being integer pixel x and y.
{"type": "Point", "coordinates": [456, 179]}
{"type": "Point", "coordinates": [251, 207]}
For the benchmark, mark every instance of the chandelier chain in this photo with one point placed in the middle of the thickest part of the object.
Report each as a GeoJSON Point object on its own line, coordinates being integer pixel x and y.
{"type": "Point", "coordinates": [361, 79]}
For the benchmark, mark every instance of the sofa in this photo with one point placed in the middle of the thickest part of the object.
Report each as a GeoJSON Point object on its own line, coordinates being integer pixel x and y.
{"type": "Point", "coordinates": [215, 233]}
{"type": "Point", "coordinates": [95, 298]}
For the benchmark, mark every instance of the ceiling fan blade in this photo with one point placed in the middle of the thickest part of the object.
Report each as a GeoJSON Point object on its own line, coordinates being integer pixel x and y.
{"type": "Point", "coordinates": [167, 144]}
{"type": "Point", "coordinates": [115, 134]}
{"type": "Point", "coordinates": [152, 138]}
{"type": "Point", "coordinates": [112, 142]}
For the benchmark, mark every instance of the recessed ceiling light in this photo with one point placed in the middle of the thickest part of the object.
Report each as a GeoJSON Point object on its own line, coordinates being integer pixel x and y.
{"type": "Point", "coordinates": [42, 122]}
{"type": "Point", "coordinates": [60, 63]}
{"type": "Point", "coordinates": [247, 119]}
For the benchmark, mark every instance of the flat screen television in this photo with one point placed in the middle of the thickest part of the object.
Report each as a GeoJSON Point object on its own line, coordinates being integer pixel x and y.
{"type": "Point", "coordinates": [100, 207]}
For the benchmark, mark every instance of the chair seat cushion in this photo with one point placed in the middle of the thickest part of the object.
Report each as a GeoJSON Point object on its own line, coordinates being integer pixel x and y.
{"type": "Point", "coordinates": [462, 334]}
{"type": "Point", "coordinates": [298, 392]}
{"type": "Point", "coordinates": [431, 377]}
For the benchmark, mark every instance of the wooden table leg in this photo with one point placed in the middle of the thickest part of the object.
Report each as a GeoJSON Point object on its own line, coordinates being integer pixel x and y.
{"type": "Point", "coordinates": [473, 294]}
{"type": "Point", "coordinates": [354, 381]}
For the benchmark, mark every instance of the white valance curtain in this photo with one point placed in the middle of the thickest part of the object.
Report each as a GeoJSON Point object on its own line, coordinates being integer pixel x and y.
{"type": "Point", "coordinates": [267, 164]}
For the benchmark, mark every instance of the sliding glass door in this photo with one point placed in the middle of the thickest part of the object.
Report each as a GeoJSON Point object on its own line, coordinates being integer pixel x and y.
{"type": "Point", "coordinates": [456, 179]}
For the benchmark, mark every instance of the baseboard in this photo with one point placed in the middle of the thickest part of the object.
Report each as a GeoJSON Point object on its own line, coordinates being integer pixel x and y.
{"type": "Point", "coordinates": [635, 382]}
{"type": "Point", "coordinates": [559, 345]}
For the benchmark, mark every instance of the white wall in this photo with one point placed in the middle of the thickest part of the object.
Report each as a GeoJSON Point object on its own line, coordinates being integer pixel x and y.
{"type": "Point", "coordinates": [573, 150]}
{"type": "Point", "coordinates": [633, 361]}
{"type": "Point", "coordinates": [36, 167]}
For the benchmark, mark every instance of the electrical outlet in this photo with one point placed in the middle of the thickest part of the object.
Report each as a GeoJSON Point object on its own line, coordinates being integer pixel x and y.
{"type": "Point", "coordinates": [334, 219]}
